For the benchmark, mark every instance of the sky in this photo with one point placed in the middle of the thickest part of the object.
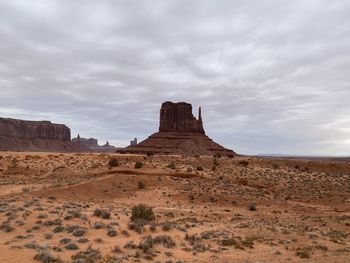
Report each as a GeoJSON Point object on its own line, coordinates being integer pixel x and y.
{"type": "Point", "coordinates": [271, 76]}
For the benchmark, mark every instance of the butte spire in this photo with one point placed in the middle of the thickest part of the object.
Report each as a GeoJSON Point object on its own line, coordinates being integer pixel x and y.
{"type": "Point", "coordinates": [179, 133]}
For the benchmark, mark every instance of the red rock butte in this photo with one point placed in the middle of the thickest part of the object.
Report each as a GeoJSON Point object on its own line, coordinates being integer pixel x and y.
{"type": "Point", "coordinates": [179, 133]}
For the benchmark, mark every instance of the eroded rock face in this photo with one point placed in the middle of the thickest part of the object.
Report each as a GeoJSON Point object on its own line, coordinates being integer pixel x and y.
{"type": "Point", "coordinates": [178, 117]}
{"type": "Point", "coordinates": [91, 142]}
{"type": "Point", "coordinates": [20, 135]}
{"type": "Point", "coordinates": [31, 130]}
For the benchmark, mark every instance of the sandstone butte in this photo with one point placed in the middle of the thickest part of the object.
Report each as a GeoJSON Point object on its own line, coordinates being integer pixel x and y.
{"type": "Point", "coordinates": [179, 133]}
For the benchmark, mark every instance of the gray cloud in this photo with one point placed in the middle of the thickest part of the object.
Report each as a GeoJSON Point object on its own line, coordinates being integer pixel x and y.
{"type": "Point", "coordinates": [272, 76]}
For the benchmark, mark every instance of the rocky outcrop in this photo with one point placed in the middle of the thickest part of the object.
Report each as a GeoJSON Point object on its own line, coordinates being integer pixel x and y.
{"type": "Point", "coordinates": [20, 135]}
{"type": "Point", "coordinates": [179, 133]}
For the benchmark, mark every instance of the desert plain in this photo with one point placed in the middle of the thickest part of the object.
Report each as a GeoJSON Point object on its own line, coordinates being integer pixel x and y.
{"type": "Point", "coordinates": [93, 207]}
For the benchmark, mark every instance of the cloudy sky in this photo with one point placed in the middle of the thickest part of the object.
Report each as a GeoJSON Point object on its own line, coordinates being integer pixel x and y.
{"type": "Point", "coordinates": [271, 76]}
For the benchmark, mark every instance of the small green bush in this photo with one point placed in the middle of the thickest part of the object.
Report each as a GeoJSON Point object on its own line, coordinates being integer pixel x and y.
{"type": "Point", "coordinates": [143, 212]}
{"type": "Point", "coordinates": [138, 165]}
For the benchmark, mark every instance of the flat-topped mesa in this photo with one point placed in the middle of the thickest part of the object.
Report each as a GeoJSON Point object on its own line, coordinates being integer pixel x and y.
{"type": "Point", "coordinates": [30, 130]}
{"type": "Point", "coordinates": [178, 117]}
{"type": "Point", "coordinates": [21, 135]}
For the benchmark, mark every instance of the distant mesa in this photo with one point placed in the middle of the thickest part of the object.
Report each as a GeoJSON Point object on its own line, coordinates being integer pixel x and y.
{"type": "Point", "coordinates": [179, 133]}
{"type": "Point", "coordinates": [20, 135]}
{"type": "Point", "coordinates": [92, 145]}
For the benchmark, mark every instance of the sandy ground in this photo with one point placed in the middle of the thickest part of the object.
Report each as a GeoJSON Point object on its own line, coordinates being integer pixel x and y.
{"type": "Point", "coordinates": [242, 209]}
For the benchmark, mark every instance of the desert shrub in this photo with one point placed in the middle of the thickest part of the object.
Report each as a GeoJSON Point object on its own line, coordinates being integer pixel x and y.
{"type": "Point", "coordinates": [102, 213]}
{"type": "Point", "coordinates": [138, 165]}
{"type": "Point", "coordinates": [243, 163]}
{"type": "Point", "coordinates": [215, 162]}
{"type": "Point", "coordinates": [116, 249]}
{"type": "Point", "coordinates": [238, 243]}
{"type": "Point", "coordinates": [146, 245]}
{"type": "Point", "coordinates": [136, 226]}
{"type": "Point", "coordinates": [125, 233]}
{"type": "Point", "coordinates": [153, 227]}
{"type": "Point", "coordinates": [71, 246]}
{"type": "Point", "coordinates": [165, 240]}
{"type": "Point", "coordinates": [199, 168]}
{"type": "Point", "coordinates": [58, 229]}
{"type": "Point", "coordinates": [32, 245]}
{"type": "Point", "coordinates": [217, 155]}
{"type": "Point", "coordinates": [98, 240]}
{"type": "Point", "coordinates": [87, 256]}
{"type": "Point", "coordinates": [27, 189]}
{"type": "Point", "coordinates": [111, 232]}
{"type": "Point", "coordinates": [6, 227]}
{"type": "Point", "coordinates": [45, 256]}
{"type": "Point", "coordinates": [113, 162]}
{"type": "Point", "coordinates": [171, 165]}
{"type": "Point", "coordinates": [303, 252]}
{"type": "Point", "coordinates": [48, 236]}
{"type": "Point", "coordinates": [189, 170]}
{"type": "Point", "coordinates": [99, 225]}
{"type": "Point", "coordinates": [143, 212]}
{"type": "Point", "coordinates": [166, 226]}
{"type": "Point", "coordinates": [140, 185]}
{"type": "Point", "coordinates": [229, 242]}
{"type": "Point", "coordinates": [149, 153]}
{"type": "Point", "coordinates": [65, 241]}
{"type": "Point", "coordinates": [252, 207]}
{"type": "Point", "coordinates": [83, 240]}
{"type": "Point", "coordinates": [130, 245]}
{"type": "Point", "coordinates": [76, 213]}
{"type": "Point", "coordinates": [71, 228]}
{"type": "Point", "coordinates": [79, 232]}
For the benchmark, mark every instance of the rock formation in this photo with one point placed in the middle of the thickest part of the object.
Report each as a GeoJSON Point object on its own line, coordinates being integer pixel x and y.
{"type": "Point", "coordinates": [19, 135]}
{"type": "Point", "coordinates": [179, 133]}
{"type": "Point", "coordinates": [92, 145]}
{"type": "Point", "coordinates": [178, 117]}
{"type": "Point", "coordinates": [133, 142]}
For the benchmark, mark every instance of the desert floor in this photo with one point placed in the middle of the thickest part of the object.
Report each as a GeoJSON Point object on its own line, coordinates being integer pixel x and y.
{"type": "Point", "coordinates": [77, 208]}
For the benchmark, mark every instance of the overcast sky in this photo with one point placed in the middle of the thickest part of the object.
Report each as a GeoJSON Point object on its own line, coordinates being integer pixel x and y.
{"type": "Point", "coordinates": [271, 76]}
